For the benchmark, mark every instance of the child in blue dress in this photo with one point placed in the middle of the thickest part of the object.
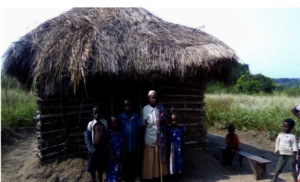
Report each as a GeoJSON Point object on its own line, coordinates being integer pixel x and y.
{"type": "Point", "coordinates": [175, 133]}
{"type": "Point", "coordinates": [116, 147]}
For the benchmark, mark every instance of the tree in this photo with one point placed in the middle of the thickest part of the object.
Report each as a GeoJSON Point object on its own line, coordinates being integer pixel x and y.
{"type": "Point", "coordinates": [255, 83]}
{"type": "Point", "coordinates": [238, 71]}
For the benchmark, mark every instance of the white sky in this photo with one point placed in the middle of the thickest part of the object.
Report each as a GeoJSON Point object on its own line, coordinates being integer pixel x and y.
{"type": "Point", "coordinates": [268, 39]}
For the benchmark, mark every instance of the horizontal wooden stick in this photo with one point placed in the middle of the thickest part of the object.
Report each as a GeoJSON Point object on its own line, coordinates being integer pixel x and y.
{"type": "Point", "coordinates": [184, 102]}
{"type": "Point", "coordinates": [63, 99]}
{"type": "Point", "coordinates": [190, 142]}
{"type": "Point", "coordinates": [53, 153]}
{"type": "Point", "coordinates": [64, 107]}
{"type": "Point", "coordinates": [171, 95]}
{"type": "Point", "coordinates": [185, 109]}
{"type": "Point", "coordinates": [53, 146]}
{"type": "Point", "coordinates": [181, 88]}
{"type": "Point", "coordinates": [70, 113]}
{"type": "Point", "coordinates": [49, 131]}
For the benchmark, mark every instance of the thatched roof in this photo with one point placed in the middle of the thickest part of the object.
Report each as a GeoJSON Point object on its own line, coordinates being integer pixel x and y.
{"type": "Point", "coordinates": [119, 43]}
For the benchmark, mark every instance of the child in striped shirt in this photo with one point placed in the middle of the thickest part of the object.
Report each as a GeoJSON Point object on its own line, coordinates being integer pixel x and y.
{"type": "Point", "coordinates": [287, 149]}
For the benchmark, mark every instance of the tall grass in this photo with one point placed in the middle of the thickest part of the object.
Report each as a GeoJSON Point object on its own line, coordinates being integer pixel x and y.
{"type": "Point", "coordinates": [17, 108]}
{"type": "Point", "coordinates": [254, 112]}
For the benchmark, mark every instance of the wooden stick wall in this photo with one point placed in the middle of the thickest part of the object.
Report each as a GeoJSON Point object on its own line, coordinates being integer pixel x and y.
{"type": "Point", "coordinates": [61, 121]}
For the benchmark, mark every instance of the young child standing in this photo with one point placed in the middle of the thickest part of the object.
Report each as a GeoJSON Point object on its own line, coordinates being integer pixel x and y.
{"type": "Point", "coordinates": [131, 125]}
{"type": "Point", "coordinates": [95, 139]}
{"type": "Point", "coordinates": [175, 133]}
{"type": "Point", "coordinates": [116, 147]}
{"type": "Point", "coordinates": [232, 140]}
{"type": "Point", "coordinates": [286, 148]}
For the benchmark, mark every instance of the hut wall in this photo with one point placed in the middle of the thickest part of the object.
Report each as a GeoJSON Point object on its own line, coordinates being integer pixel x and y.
{"type": "Point", "coordinates": [186, 99]}
{"type": "Point", "coordinates": [62, 120]}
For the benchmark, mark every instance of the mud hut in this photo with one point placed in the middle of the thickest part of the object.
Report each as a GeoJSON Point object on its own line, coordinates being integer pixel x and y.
{"type": "Point", "coordinates": [90, 56]}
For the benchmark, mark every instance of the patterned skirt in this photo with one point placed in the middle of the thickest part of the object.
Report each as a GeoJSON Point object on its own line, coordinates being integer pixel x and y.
{"type": "Point", "coordinates": [151, 163]}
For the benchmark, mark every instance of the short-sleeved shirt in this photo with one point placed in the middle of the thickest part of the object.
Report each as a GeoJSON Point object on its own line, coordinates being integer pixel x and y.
{"type": "Point", "coordinates": [232, 142]}
{"type": "Point", "coordinates": [286, 144]}
{"type": "Point", "coordinates": [129, 128]}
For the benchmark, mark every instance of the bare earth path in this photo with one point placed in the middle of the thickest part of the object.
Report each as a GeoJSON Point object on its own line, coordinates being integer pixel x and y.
{"type": "Point", "coordinates": [19, 163]}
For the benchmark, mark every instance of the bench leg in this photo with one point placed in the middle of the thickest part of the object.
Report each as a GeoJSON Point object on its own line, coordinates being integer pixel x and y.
{"type": "Point", "coordinates": [261, 172]}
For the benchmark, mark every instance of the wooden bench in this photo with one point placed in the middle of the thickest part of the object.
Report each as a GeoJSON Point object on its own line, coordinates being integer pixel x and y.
{"type": "Point", "coordinates": [260, 171]}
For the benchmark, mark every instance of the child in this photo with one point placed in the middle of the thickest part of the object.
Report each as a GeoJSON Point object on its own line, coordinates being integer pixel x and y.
{"type": "Point", "coordinates": [175, 133]}
{"type": "Point", "coordinates": [116, 147]}
{"type": "Point", "coordinates": [131, 125]}
{"type": "Point", "coordinates": [286, 148]}
{"type": "Point", "coordinates": [95, 139]}
{"type": "Point", "coordinates": [232, 140]}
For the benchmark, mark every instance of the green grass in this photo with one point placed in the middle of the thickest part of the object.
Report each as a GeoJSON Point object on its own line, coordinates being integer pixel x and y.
{"type": "Point", "coordinates": [253, 112]}
{"type": "Point", "coordinates": [17, 108]}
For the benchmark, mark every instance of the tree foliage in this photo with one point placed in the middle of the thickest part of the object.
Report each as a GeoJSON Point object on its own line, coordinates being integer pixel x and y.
{"type": "Point", "coordinates": [238, 71]}
{"type": "Point", "coordinates": [252, 84]}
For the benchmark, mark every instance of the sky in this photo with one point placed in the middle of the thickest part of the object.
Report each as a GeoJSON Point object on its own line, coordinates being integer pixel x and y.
{"type": "Point", "coordinates": [268, 39]}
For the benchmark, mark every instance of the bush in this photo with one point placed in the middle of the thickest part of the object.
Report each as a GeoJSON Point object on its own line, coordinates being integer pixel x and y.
{"type": "Point", "coordinates": [252, 84]}
{"type": "Point", "coordinates": [294, 92]}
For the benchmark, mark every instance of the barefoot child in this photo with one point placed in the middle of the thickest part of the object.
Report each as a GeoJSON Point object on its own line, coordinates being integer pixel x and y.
{"type": "Point", "coordinates": [286, 148]}
{"type": "Point", "coordinates": [232, 140]}
{"type": "Point", "coordinates": [131, 125]}
{"type": "Point", "coordinates": [175, 133]}
{"type": "Point", "coordinates": [95, 139]}
{"type": "Point", "coordinates": [116, 147]}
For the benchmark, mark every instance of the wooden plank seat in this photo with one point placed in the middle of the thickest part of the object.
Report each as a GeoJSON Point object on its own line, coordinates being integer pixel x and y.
{"type": "Point", "coordinates": [260, 171]}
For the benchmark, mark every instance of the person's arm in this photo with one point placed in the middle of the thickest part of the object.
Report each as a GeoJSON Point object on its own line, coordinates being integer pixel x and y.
{"type": "Point", "coordinates": [237, 141]}
{"type": "Point", "coordinates": [296, 111]}
{"type": "Point", "coordinates": [89, 144]}
{"type": "Point", "coordinates": [145, 119]}
{"type": "Point", "coordinates": [294, 151]}
{"type": "Point", "coordinates": [227, 142]}
{"type": "Point", "coordinates": [277, 145]}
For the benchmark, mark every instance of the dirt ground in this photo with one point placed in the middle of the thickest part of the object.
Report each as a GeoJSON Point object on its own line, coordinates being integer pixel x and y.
{"type": "Point", "coordinates": [19, 163]}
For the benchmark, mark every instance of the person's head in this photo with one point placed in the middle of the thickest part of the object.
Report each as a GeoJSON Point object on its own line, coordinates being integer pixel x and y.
{"type": "Point", "coordinates": [231, 129]}
{"type": "Point", "coordinates": [288, 125]}
{"type": "Point", "coordinates": [96, 112]}
{"type": "Point", "coordinates": [152, 95]}
{"type": "Point", "coordinates": [174, 119]}
{"type": "Point", "coordinates": [114, 121]}
{"type": "Point", "coordinates": [127, 105]}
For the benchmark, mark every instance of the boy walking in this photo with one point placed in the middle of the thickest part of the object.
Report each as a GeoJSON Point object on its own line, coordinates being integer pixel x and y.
{"type": "Point", "coordinates": [95, 139]}
{"type": "Point", "coordinates": [131, 125]}
{"type": "Point", "coordinates": [287, 149]}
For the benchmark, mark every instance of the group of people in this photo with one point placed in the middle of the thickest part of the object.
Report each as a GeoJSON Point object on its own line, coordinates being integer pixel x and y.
{"type": "Point", "coordinates": [285, 147]}
{"type": "Point", "coordinates": [116, 145]}
{"type": "Point", "coordinates": [119, 143]}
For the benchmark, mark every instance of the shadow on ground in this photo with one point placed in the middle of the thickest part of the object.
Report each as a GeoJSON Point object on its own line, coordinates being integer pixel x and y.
{"type": "Point", "coordinates": [19, 163]}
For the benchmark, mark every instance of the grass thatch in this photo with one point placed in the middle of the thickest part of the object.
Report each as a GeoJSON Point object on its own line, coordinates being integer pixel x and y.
{"type": "Point", "coordinates": [120, 43]}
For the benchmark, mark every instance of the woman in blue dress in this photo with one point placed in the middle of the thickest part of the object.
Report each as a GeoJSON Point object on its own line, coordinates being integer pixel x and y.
{"type": "Point", "coordinates": [116, 148]}
{"type": "Point", "coordinates": [176, 145]}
